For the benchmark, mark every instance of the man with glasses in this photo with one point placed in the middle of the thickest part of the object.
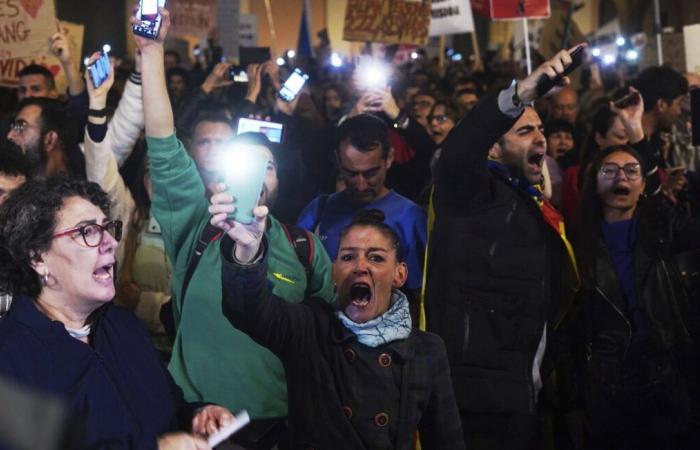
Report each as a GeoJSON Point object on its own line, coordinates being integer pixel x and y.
{"type": "Point", "coordinates": [43, 130]}
{"type": "Point", "coordinates": [364, 155]}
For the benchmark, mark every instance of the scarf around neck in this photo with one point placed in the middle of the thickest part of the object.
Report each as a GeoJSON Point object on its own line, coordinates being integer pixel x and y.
{"type": "Point", "coordinates": [395, 324]}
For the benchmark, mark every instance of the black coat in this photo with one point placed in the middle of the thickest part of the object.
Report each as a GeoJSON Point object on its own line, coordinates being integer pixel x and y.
{"type": "Point", "coordinates": [342, 394]}
{"type": "Point", "coordinates": [495, 271]}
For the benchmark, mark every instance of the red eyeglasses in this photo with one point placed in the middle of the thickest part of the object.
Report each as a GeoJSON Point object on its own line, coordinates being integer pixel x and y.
{"type": "Point", "coordinates": [92, 233]}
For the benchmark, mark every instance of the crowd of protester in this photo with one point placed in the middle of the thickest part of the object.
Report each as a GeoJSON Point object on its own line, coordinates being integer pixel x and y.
{"type": "Point", "coordinates": [446, 259]}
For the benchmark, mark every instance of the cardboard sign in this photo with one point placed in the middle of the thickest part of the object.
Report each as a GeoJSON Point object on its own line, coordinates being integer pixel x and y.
{"type": "Point", "coordinates": [192, 17]}
{"type": "Point", "coordinates": [519, 9]}
{"type": "Point", "coordinates": [26, 27]}
{"type": "Point", "coordinates": [691, 38]}
{"type": "Point", "coordinates": [450, 17]}
{"type": "Point", "coordinates": [387, 21]}
{"type": "Point", "coordinates": [248, 30]}
{"type": "Point", "coordinates": [10, 68]}
{"type": "Point", "coordinates": [228, 13]}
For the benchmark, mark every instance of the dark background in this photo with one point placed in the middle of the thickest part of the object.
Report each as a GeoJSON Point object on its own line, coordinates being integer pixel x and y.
{"type": "Point", "coordinates": [104, 20]}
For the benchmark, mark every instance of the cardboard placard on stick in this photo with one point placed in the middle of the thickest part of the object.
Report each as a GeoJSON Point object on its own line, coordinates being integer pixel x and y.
{"type": "Point", "coordinates": [387, 21]}
{"type": "Point", "coordinates": [450, 17]}
{"type": "Point", "coordinates": [10, 68]}
{"type": "Point", "coordinates": [26, 27]}
{"type": "Point", "coordinates": [691, 38]}
{"type": "Point", "coordinates": [195, 18]}
{"type": "Point", "coordinates": [519, 9]}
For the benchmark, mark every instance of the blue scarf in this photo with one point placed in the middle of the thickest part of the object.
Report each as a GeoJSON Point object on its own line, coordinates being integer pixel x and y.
{"type": "Point", "coordinates": [393, 325]}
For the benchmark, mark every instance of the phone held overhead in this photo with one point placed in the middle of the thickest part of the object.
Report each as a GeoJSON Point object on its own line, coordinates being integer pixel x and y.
{"type": "Point", "coordinates": [150, 18]}
{"type": "Point", "coordinates": [293, 85]}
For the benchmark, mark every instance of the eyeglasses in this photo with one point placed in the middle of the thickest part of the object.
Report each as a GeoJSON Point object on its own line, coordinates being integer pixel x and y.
{"type": "Point", "coordinates": [610, 170]}
{"type": "Point", "coordinates": [20, 125]}
{"type": "Point", "coordinates": [440, 119]}
{"type": "Point", "coordinates": [93, 233]}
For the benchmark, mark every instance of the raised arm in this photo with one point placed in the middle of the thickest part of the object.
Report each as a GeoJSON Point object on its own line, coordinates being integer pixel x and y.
{"type": "Point", "coordinates": [462, 169]}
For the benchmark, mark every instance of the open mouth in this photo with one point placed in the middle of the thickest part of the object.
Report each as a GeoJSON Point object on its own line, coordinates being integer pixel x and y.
{"type": "Point", "coordinates": [535, 159]}
{"type": "Point", "coordinates": [621, 191]}
{"type": "Point", "coordinates": [104, 273]}
{"type": "Point", "coordinates": [360, 294]}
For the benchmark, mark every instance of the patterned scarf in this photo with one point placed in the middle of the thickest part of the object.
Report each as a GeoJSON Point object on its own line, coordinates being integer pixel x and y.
{"type": "Point", "coordinates": [393, 325]}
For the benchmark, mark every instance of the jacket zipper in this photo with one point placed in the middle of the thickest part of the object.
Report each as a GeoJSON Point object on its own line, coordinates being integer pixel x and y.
{"type": "Point", "coordinates": [627, 322]}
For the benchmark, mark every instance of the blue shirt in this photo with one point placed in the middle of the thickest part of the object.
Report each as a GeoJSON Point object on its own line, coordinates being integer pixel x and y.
{"type": "Point", "coordinates": [620, 238]}
{"type": "Point", "coordinates": [406, 218]}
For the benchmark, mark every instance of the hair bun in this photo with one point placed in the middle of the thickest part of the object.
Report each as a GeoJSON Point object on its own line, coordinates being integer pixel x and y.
{"type": "Point", "coordinates": [369, 216]}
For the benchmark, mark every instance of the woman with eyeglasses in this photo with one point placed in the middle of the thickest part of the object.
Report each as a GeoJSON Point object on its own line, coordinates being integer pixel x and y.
{"type": "Point", "coordinates": [64, 337]}
{"type": "Point", "coordinates": [630, 328]}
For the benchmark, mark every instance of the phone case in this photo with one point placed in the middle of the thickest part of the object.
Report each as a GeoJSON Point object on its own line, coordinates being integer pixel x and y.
{"type": "Point", "coordinates": [243, 172]}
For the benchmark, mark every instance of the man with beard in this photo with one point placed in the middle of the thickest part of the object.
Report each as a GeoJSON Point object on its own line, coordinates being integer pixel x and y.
{"type": "Point", "coordinates": [43, 130]}
{"type": "Point", "coordinates": [212, 361]}
{"type": "Point", "coordinates": [501, 273]}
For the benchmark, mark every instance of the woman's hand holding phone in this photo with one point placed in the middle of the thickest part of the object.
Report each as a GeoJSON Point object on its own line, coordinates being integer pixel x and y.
{"type": "Point", "coordinates": [145, 44]}
{"type": "Point", "coordinates": [247, 237]}
{"type": "Point", "coordinates": [98, 95]}
{"type": "Point", "coordinates": [630, 110]}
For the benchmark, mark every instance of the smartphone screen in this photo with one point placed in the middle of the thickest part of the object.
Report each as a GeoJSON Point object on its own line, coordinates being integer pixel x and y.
{"type": "Point", "coordinates": [147, 13]}
{"type": "Point", "coordinates": [99, 70]}
{"type": "Point", "coordinates": [293, 85]}
{"type": "Point", "coordinates": [272, 130]}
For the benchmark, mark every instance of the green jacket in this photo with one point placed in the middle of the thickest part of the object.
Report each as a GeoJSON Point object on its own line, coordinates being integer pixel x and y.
{"type": "Point", "coordinates": [211, 360]}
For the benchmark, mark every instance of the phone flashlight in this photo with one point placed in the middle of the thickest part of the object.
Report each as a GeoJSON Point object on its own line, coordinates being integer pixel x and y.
{"type": "Point", "coordinates": [242, 170]}
{"type": "Point", "coordinates": [372, 75]}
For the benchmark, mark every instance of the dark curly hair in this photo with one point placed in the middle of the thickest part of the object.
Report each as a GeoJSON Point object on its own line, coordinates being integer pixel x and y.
{"type": "Point", "coordinates": [27, 222]}
{"type": "Point", "coordinates": [375, 218]}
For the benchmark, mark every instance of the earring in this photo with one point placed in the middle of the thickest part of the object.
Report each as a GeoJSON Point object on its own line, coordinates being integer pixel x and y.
{"type": "Point", "coordinates": [45, 279]}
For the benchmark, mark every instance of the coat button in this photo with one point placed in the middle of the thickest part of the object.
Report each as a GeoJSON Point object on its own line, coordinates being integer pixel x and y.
{"type": "Point", "coordinates": [381, 419]}
{"type": "Point", "coordinates": [384, 360]}
{"type": "Point", "coordinates": [347, 411]}
{"type": "Point", "coordinates": [350, 354]}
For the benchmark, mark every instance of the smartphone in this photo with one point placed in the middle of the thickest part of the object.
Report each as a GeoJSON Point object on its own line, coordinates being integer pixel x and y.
{"type": "Point", "coordinates": [237, 74]}
{"type": "Point", "coordinates": [243, 170]}
{"type": "Point", "coordinates": [545, 84]}
{"type": "Point", "coordinates": [293, 85]}
{"type": "Point", "coordinates": [100, 69]}
{"type": "Point", "coordinates": [628, 100]}
{"type": "Point", "coordinates": [147, 13]}
{"type": "Point", "coordinates": [272, 130]}
{"type": "Point", "coordinates": [370, 73]}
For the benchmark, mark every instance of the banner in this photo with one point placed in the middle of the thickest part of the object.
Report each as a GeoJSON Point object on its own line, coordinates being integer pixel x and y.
{"type": "Point", "coordinates": [26, 27]}
{"type": "Point", "coordinates": [691, 37]}
{"type": "Point", "coordinates": [387, 21]}
{"type": "Point", "coordinates": [519, 9]}
{"type": "Point", "coordinates": [450, 17]}
{"type": "Point", "coordinates": [196, 18]}
{"type": "Point", "coordinates": [10, 68]}
{"type": "Point", "coordinates": [228, 13]}
{"type": "Point", "coordinates": [248, 30]}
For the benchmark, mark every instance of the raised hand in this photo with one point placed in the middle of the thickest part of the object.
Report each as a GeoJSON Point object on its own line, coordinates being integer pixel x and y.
{"type": "Point", "coordinates": [527, 88]}
{"type": "Point", "coordinates": [217, 78]}
{"type": "Point", "coordinates": [246, 236]}
{"type": "Point", "coordinates": [98, 95]}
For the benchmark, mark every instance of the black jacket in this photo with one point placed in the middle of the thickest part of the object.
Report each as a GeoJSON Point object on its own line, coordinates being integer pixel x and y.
{"type": "Point", "coordinates": [342, 394]}
{"type": "Point", "coordinates": [495, 271]}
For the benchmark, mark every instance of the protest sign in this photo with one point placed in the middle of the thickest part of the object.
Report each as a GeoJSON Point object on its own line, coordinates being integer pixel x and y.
{"type": "Point", "coordinates": [196, 18]}
{"type": "Point", "coordinates": [10, 68]}
{"type": "Point", "coordinates": [519, 9]}
{"type": "Point", "coordinates": [248, 30]}
{"type": "Point", "coordinates": [450, 17]}
{"type": "Point", "coordinates": [228, 14]}
{"type": "Point", "coordinates": [691, 37]}
{"type": "Point", "coordinates": [387, 21]}
{"type": "Point", "coordinates": [25, 28]}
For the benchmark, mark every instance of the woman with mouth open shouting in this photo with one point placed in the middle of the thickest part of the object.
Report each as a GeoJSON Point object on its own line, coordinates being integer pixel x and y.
{"type": "Point", "coordinates": [64, 337]}
{"type": "Point", "coordinates": [631, 335]}
{"type": "Point", "coordinates": [358, 375]}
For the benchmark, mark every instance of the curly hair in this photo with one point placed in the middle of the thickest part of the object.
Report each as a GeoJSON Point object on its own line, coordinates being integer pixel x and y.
{"type": "Point", "coordinates": [27, 222]}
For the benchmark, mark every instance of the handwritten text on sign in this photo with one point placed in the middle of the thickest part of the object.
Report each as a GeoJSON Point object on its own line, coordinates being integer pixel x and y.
{"type": "Point", "coordinates": [25, 27]}
{"type": "Point", "coordinates": [388, 21]}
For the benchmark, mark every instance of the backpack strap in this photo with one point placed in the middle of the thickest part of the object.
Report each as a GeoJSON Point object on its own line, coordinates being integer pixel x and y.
{"type": "Point", "coordinates": [209, 234]}
{"type": "Point", "coordinates": [303, 244]}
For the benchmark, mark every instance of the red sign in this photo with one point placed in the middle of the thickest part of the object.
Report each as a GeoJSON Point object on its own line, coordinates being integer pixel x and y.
{"type": "Point", "coordinates": [519, 9]}
{"type": "Point", "coordinates": [483, 7]}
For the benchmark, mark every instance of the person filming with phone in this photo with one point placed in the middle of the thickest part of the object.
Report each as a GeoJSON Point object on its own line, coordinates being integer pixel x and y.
{"type": "Point", "coordinates": [211, 360]}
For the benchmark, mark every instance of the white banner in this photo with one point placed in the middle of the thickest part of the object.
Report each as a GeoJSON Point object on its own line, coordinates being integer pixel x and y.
{"type": "Point", "coordinates": [691, 37]}
{"type": "Point", "coordinates": [248, 30]}
{"type": "Point", "coordinates": [450, 17]}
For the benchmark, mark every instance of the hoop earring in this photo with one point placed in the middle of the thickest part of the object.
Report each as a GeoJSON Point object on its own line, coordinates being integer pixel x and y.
{"type": "Point", "coordinates": [45, 279]}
